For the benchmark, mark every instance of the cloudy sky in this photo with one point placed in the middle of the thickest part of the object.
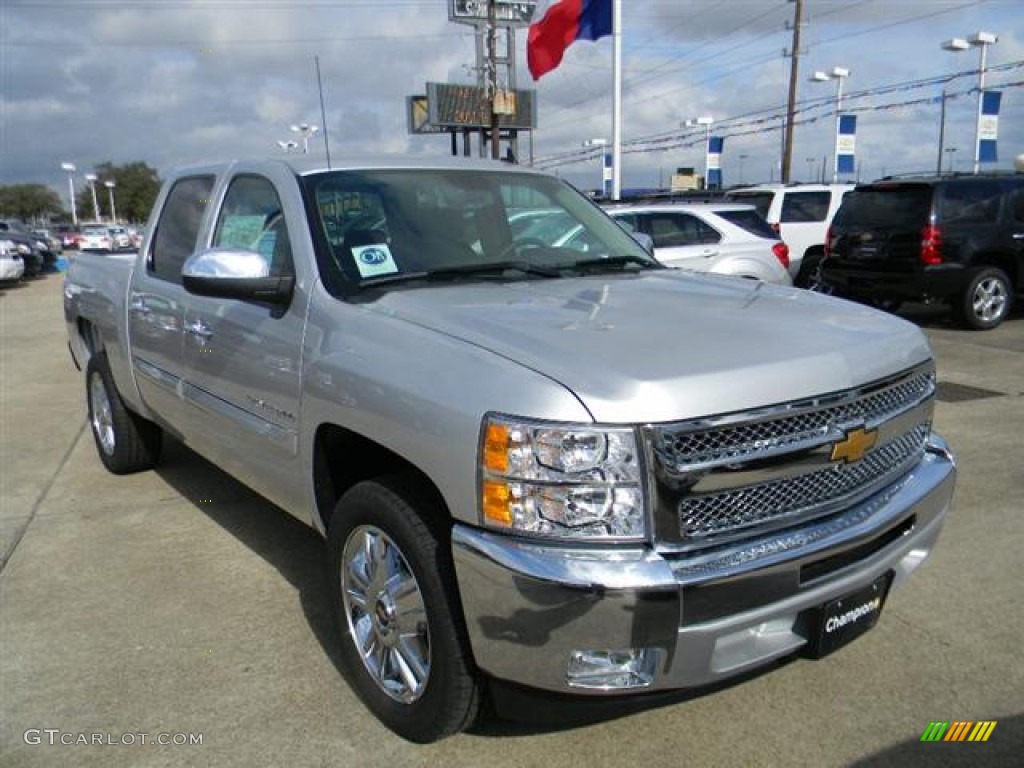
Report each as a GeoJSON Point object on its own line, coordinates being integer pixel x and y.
{"type": "Point", "coordinates": [170, 82]}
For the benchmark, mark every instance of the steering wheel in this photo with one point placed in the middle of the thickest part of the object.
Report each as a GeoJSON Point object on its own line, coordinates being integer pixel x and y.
{"type": "Point", "coordinates": [515, 245]}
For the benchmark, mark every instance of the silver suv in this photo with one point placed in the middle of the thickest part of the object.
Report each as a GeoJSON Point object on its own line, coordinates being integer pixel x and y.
{"type": "Point", "coordinates": [801, 214]}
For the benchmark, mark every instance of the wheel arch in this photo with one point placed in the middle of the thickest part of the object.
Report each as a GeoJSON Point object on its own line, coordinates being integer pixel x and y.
{"type": "Point", "coordinates": [333, 475]}
{"type": "Point", "coordinates": [1002, 260]}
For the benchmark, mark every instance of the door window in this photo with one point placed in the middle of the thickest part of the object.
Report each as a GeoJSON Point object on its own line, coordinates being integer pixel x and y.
{"type": "Point", "coordinates": [251, 219]}
{"type": "Point", "coordinates": [178, 227]}
{"type": "Point", "coordinates": [670, 230]}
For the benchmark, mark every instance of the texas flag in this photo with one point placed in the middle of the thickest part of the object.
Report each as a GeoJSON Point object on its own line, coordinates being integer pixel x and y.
{"type": "Point", "coordinates": [564, 23]}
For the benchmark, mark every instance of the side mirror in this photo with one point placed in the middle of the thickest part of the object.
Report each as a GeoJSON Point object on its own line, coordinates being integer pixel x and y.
{"type": "Point", "coordinates": [229, 273]}
{"type": "Point", "coordinates": [645, 240]}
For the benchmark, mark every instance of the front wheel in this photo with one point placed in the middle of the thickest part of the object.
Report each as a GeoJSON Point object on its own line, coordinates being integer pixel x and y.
{"type": "Point", "coordinates": [392, 584]}
{"type": "Point", "coordinates": [986, 300]}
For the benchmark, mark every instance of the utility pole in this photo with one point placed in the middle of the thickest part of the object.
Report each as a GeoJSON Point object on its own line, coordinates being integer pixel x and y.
{"type": "Point", "coordinates": [492, 75]}
{"type": "Point", "coordinates": [787, 153]}
{"type": "Point", "coordinates": [942, 132]}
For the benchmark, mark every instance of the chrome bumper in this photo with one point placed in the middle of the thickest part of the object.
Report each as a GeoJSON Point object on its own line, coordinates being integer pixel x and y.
{"type": "Point", "coordinates": [528, 606]}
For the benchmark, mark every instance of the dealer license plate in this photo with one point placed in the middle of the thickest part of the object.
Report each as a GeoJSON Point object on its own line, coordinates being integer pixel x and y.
{"type": "Point", "coordinates": [841, 621]}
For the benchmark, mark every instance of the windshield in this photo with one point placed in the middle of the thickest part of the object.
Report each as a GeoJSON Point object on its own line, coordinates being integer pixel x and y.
{"type": "Point", "coordinates": [375, 227]}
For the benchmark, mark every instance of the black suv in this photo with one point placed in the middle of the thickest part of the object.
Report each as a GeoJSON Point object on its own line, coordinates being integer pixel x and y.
{"type": "Point", "coordinates": [958, 239]}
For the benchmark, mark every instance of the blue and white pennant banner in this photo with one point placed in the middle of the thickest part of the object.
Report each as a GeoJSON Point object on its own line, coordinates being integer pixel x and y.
{"type": "Point", "coordinates": [846, 144]}
{"type": "Point", "coordinates": [714, 162]}
{"type": "Point", "coordinates": [988, 126]}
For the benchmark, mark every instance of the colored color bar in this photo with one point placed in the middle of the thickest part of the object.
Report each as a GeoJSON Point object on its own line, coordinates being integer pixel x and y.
{"type": "Point", "coordinates": [935, 730]}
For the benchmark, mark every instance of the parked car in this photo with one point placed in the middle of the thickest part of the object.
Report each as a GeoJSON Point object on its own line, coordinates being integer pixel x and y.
{"type": "Point", "coordinates": [12, 266]}
{"type": "Point", "coordinates": [121, 237]}
{"type": "Point", "coordinates": [800, 214]}
{"type": "Point", "coordinates": [723, 238]}
{"type": "Point", "coordinates": [28, 246]}
{"type": "Point", "coordinates": [954, 239]}
{"type": "Point", "coordinates": [70, 236]}
{"type": "Point", "coordinates": [97, 237]}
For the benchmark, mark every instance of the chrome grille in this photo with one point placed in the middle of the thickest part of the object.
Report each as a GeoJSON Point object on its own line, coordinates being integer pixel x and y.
{"type": "Point", "coordinates": [698, 444]}
{"type": "Point", "coordinates": [778, 501]}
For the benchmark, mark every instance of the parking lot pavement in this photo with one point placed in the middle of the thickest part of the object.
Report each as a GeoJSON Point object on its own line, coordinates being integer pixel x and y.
{"type": "Point", "coordinates": [179, 605]}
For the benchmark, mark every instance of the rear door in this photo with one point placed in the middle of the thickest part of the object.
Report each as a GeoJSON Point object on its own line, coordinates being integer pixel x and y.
{"type": "Point", "coordinates": [681, 239]}
{"type": "Point", "coordinates": [156, 302]}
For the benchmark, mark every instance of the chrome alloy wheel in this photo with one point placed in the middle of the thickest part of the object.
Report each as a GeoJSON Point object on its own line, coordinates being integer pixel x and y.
{"type": "Point", "coordinates": [386, 615]}
{"type": "Point", "coordinates": [102, 420]}
{"type": "Point", "coordinates": [989, 299]}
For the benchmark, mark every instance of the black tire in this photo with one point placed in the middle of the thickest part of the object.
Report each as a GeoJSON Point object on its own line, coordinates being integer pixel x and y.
{"type": "Point", "coordinates": [809, 268]}
{"type": "Point", "coordinates": [125, 441]}
{"type": "Point", "coordinates": [406, 521]}
{"type": "Point", "coordinates": [985, 301]}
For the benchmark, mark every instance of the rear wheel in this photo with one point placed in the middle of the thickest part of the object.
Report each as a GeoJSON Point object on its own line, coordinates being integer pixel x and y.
{"type": "Point", "coordinates": [986, 300]}
{"type": "Point", "coordinates": [125, 441]}
{"type": "Point", "coordinates": [392, 584]}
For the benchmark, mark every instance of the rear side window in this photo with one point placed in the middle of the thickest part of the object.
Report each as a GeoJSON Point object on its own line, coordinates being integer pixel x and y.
{"type": "Point", "coordinates": [805, 206]}
{"type": "Point", "coordinates": [674, 229]}
{"type": "Point", "coordinates": [971, 202]}
{"type": "Point", "coordinates": [751, 221]}
{"type": "Point", "coordinates": [178, 226]}
{"type": "Point", "coordinates": [898, 206]}
{"type": "Point", "coordinates": [762, 201]}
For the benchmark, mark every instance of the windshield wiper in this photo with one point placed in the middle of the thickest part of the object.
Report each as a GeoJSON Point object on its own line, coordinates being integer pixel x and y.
{"type": "Point", "coordinates": [614, 261]}
{"type": "Point", "coordinates": [465, 270]}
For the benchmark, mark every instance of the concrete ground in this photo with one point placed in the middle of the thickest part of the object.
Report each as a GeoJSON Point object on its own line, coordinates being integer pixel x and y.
{"type": "Point", "coordinates": [177, 602]}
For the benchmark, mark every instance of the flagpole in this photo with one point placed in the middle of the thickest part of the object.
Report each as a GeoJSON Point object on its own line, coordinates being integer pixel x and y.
{"type": "Point", "coordinates": [616, 99]}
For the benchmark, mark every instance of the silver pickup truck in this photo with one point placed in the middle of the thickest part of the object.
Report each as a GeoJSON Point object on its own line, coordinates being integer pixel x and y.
{"type": "Point", "coordinates": [571, 470]}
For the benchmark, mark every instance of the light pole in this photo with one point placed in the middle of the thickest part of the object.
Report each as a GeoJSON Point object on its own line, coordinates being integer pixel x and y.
{"type": "Point", "coordinates": [838, 74]}
{"type": "Point", "coordinates": [955, 45]}
{"type": "Point", "coordinates": [70, 169]}
{"type": "Point", "coordinates": [706, 121]}
{"type": "Point", "coordinates": [305, 130]}
{"type": "Point", "coordinates": [810, 167]}
{"type": "Point", "coordinates": [288, 146]}
{"type": "Point", "coordinates": [742, 158]}
{"type": "Point", "coordinates": [601, 143]}
{"type": "Point", "coordinates": [91, 178]}
{"type": "Point", "coordinates": [949, 154]}
{"type": "Point", "coordinates": [982, 40]}
{"type": "Point", "coordinates": [110, 191]}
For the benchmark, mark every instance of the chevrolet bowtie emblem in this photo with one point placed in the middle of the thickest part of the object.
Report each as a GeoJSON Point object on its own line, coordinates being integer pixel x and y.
{"type": "Point", "coordinates": [854, 445]}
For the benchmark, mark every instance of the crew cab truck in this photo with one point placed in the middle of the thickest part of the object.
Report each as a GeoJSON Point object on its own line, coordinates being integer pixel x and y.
{"type": "Point", "coordinates": [580, 473]}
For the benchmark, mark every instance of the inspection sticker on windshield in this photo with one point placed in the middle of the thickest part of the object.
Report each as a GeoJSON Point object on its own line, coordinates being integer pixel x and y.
{"type": "Point", "coordinates": [374, 260]}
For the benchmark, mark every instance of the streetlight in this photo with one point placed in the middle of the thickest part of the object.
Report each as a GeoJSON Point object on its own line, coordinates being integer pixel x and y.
{"type": "Point", "coordinates": [742, 158]}
{"type": "Point", "coordinates": [605, 171]}
{"type": "Point", "coordinates": [949, 154]}
{"type": "Point", "coordinates": [288, 146]}
{"type": "Point", "coordinates": [70, 168]}
{"type": "Point", "coordinates": [955, 45]}
{"type": "Point", "coordinates": [810, 167]}
{"type": "Point", "coordinates": [91, 178]}
{"type": "Point", "coordinates": [305, 130]}
{"type": "Point", "coordinates": [838, 74]}
{"type": "Point", "coordinates": [110, 191]}
{"type": "Point", "coordinates": [982, 40]}
{"type": "Point", "coordinates": [706, 121]}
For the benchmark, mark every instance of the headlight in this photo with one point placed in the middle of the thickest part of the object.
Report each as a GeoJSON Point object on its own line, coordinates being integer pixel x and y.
{"type": "Point", "coordinates": [561, 480]}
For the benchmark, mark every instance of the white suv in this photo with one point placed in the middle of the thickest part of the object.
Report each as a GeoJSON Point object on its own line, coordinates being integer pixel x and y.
{"type": "Point", "coordinates": [801, 214]}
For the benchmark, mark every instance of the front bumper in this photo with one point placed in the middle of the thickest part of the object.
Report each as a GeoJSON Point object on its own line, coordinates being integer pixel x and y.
{"type": "Point", "coordinates": [11, 269]}
{"type": "Point", "coordinates": [529, 606]}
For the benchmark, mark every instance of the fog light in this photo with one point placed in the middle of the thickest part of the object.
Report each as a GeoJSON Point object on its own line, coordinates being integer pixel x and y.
{"type": "Point", "coordinates": [612, 670]}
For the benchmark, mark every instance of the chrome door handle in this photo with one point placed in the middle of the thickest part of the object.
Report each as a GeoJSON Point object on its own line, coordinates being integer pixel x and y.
{"type": "Point", "coordinates": [199, 329]}
{"type": "Point", "coordinates": [140, 306]}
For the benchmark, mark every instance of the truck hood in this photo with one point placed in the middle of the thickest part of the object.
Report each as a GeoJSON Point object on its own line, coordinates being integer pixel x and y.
{"type": "Point", "coordinates": [665, 346]}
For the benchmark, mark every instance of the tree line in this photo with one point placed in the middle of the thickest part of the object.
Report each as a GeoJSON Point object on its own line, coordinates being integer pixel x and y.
{"type": "Point", "coordinates": [136, 186]}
